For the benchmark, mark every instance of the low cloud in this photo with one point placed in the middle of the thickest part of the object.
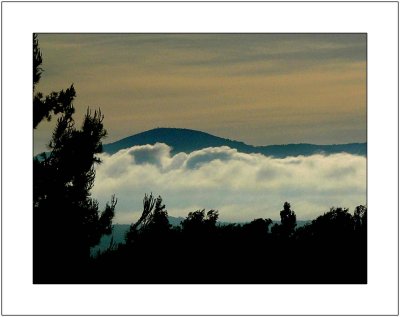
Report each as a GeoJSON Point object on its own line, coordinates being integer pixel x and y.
{"type": "Point", "coordinates": [241, 186]}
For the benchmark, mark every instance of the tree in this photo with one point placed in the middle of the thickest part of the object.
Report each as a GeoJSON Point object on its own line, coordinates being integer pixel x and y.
{"type": "Point", "coordinates": [258, 227]}
{"type": "Point", "coordinates": [337, 224]}
{"type": "Point", "coordinates": [37, 61]}
{"type": "Point", "coordinates": [153, 221]}
{"type": "Point", "coordinates": [199, 222]}
{"type": "Point", "coordinates": [288, 222]}
{"type": "Point", "coordinates": [56, 102]}
{"type": "Point", "coordinates": [67, 221]}
{"type": "Point", "coordinates": [360, 217]}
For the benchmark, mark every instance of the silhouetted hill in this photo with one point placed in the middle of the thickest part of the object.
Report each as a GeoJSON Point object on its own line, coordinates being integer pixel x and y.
{"type": "Point", "coordinates": [186, 140]}
{"type": "Point", "coordinates": [181, 140]}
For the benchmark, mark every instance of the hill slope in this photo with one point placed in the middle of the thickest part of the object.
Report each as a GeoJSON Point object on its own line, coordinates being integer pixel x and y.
{"type": "Point", "coordinates": [186, 140]}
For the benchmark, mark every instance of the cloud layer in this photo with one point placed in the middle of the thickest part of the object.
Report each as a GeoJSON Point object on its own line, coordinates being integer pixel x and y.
{"type": "Point", "coordinates": [241, 186]}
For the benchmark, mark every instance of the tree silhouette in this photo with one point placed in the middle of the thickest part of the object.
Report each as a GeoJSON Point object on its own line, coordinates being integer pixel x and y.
{"type": "Point", "coordinates": [55, 102]}
{"type": "Point", "coordinates": [338, 223]}
{"type": "Point", "coordinates": [288, 218]}
{"type": "Point", "coordinates": [37, 61]}
{"type": "Point", "coordinates": [330, 249]}
{"type": "Point", "coordinates": [360, 217]}
{"type": "Point", "coordinates": [288, 222]}
{"type": "Point", "coordinates": [198, 222]}
{"type": "Point", "coordinates": [67, 221]}
{"type": "Point", "coordinates": [258, 227]}
{"type": "Point", "coordinates": [154, 219]}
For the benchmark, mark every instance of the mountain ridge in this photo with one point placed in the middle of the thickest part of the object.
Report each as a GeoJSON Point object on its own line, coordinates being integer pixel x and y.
{"type": "Point", "coordinates": [187, 140]}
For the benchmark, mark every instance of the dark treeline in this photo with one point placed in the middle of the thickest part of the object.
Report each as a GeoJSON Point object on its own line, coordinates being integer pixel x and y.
{"type": "Point", "coordinates": [67, 222]}
{"type": "Point", "coordinates": [331, 249]}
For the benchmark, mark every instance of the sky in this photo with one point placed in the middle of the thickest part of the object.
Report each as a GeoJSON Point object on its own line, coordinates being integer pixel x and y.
{"type": "Point", "coordinates": [241, 186]}
{"type": "Point", "coordinates": [257, 88]}
{"type": "Point", "coordinates": [261, 89]}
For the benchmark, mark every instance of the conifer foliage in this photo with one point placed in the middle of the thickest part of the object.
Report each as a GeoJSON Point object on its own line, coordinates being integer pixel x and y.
{"type": "Point", "coordinates": [67, 221]}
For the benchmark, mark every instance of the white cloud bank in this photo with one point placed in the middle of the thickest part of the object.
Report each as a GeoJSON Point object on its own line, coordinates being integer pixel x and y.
{"type": "Point", "coordinates": [241, 186]}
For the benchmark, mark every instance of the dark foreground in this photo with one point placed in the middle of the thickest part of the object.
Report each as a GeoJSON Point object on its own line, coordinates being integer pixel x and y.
{"type": "Point", "coordinates": [332, 249]}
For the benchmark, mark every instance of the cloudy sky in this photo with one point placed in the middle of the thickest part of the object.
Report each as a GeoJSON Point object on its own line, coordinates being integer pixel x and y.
{"type": "Point", "coordinates": [257, 88]}
{"type": "Point", "coordinates": [241, 186]}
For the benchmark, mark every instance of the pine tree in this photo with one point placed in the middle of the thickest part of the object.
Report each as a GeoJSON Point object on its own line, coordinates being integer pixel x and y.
{"type": "Point", "coordinates": [55, 102]}
{"type": "Point", "coordinates": [67, 221]}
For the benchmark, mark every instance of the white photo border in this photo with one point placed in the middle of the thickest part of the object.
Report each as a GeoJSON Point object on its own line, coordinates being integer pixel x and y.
{"type": "Point", "coordinates": [378, 19]}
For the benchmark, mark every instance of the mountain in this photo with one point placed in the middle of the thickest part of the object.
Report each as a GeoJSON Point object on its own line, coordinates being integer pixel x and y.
{"type": "Point", "coordinates": [181, 140]}
{"type": "Point", "coordinates": [186, 140]}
